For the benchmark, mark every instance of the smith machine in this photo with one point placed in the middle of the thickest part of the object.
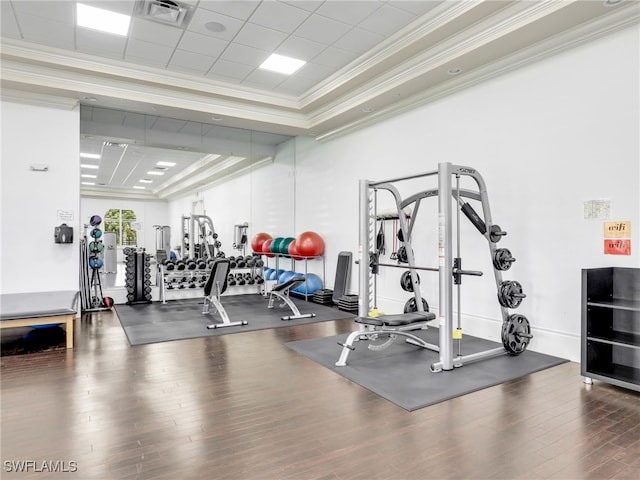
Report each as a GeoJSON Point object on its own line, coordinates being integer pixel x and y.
{"type": "Point", "coordinates": [516, 332]}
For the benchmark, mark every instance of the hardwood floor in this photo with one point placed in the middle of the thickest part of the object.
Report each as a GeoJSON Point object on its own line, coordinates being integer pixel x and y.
{"type": "Point", "coordinates": [244, 406]}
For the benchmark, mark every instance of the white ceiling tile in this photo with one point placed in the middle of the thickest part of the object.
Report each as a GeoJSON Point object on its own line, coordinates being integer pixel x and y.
{"type": "Point", "coordinates": [244, 54]}
{"type": "Point", "coordinates": [358, 40]}
{"type": "Point", "coordinates": [233, 8]}
{"type": "Point", "coordinates": [334, 57]}
{"type": "Point", "coordinates": [134, 120]}
{"type": "Point", "coordinates": [350, 11]}
{"type": "Point", "coordinates": [313, 71]}
{"type": "Point", "coordinates": [230, 70]}
{"type": "Point", "coordinates": [63, 12]}
{"type": "Point", "coordinates": [168, 124]}
{"type": "Point", "coordinates": [150, 53]}
{"type": "Point", "coordinates": [107, 116]}
{"type": "Point", "coordinates": [301, 48]}
{"type": "Point", "coordinates": [155, 32]}
{"type": "Point", "coordinates": [193, 62]}
{"type": "Point", "coordinates": [99, 43]}
{"type": "Point", "coordinates": [263, 79]}
{"type": "Point", "coordinates": [54, 34]}
{"type": "Point", "coordinates": [202, 17]}
{"type": "Point", "coordinates": [202, 44]}
{"type": "Point", "coordinates": [387, 20]}
{"type": "Point", "coordinates": [418, 8]}
{"type": "Point", "coordinates": [259, 37]}
{"type": "Point", "coordinates": [310, 5]}
{"type": "Point", "coordinates": [321, 29]}
{"type": "Point", "coordinates": [279, 16]}
{"type": "Point", "coordinates": [8, 24]}
{"type": "Point", "coordinates": [295, 86]}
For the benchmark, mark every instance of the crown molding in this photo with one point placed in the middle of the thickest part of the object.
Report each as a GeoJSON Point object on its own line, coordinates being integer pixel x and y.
{"type": "Point", "coordinates": [38, 99]}
{"type": "Point", "coordinates": [622, 19]}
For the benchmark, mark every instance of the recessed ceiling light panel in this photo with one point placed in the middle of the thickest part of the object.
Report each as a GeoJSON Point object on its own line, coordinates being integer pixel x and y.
{"type": "Point", "coordinates": [102, 20]}
{"type": "Point", "coordinates": [282, 64]}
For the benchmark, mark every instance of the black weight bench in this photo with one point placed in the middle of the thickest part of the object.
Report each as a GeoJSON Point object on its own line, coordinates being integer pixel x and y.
{"type": "Point", "coordinates": [215, 286]}
{"type": "Point", "coordinates": [282, 291]}
{"type": "Point", "coordinates": [390, 327]}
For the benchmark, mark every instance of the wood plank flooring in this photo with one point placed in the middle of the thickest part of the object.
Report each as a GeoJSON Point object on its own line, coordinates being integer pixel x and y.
{"type": "Point", "coordinates": [244, 406]}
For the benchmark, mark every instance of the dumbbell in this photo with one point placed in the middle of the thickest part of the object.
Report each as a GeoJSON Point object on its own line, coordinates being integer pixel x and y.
{"type": "Point", "coordinates": [240, 280]}
{"type": "Point", "coordinates": [191, 265]}
{"type": "Point", "coordinates": [259, 280]}
{"type": "Point", "coordinates": [180, 265]}
{"type": "Point", "coordinates": [249, 278]}
{"type": "Point", "coordinates": [231, 280]}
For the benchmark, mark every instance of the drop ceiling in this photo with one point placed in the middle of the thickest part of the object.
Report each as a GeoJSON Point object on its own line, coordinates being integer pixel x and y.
{"type": "Point", "coordinates": [195, 89]}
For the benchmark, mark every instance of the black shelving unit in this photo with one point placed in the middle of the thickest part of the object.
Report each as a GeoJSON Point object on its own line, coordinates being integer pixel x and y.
{"type": "Point", "coordinates": [610, 350]}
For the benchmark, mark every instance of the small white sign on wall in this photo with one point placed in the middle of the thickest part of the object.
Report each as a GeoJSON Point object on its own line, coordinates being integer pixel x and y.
{"type": "Point", "coordinates": [65, 215]}
{"type": "Point", "coordinates": [597, 209]}
{"type": "Point", "coordinates": [136, 226]}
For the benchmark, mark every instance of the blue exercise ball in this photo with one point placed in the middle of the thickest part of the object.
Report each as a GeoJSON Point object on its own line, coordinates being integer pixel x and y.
{"type": "Point", "coordinates": [275, 274]}
{"type": "Point", "coordinates": [285, 276]}
{"type": "Point", "coordinates": [267, 273]}
{"type": "Point", "coordinates": [310, 285]}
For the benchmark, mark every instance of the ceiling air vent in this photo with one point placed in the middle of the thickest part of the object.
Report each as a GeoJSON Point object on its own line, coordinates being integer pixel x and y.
{"type": "Point", "coordinates": [167, 12]}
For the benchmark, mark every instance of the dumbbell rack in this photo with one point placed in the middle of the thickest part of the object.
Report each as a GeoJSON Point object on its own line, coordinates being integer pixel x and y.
{"type": "Point", "coordinates": [191, 274]}
{"type": "Point", "coordinates": [137, 276]}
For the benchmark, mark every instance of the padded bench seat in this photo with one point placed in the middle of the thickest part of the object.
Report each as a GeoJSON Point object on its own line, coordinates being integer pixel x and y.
{"type": "Point", "coordinates": [42, 308]}
{"type": "Point", "coordinates": [397, 320]}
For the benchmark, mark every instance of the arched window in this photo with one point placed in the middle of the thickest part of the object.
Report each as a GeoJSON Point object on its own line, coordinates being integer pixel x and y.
{"type": "Point", "coordinates": [120, 222]}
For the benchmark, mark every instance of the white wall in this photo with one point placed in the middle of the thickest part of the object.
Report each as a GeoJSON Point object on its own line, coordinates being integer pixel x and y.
{"type": "Point", "coordinates": [545, 138]}
{"type": "Point", "coordinates": [30, 201]}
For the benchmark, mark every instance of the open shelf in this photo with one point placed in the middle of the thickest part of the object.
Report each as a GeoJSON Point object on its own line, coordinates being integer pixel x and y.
{"type": "Point", "coordinates": [610, 345]}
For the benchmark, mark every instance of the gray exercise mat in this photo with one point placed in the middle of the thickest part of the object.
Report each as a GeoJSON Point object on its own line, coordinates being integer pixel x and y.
{"type": "Point", "coordinates": [181, 319]}
{"type": "Point", "coordinates": [401, 372]}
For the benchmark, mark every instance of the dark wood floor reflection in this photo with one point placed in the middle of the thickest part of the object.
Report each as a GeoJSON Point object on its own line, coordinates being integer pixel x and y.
{"type": "Point", "coordinates": [244, 406]}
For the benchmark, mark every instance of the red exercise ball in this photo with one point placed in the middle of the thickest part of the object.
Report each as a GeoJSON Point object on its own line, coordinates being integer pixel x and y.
{"type": "Point", "coordinates": [293, 251]}
{"type": "Point", "coordinates": [257, 241]}
{"type": "Point", "coordinates": [266, 247]}
{"type": "Point", "coordinates": [310, 244]}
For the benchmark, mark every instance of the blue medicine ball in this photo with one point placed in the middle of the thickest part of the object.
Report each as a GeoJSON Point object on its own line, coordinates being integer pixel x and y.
{"type": "Point", "coordinates": [96, 233]}
{"type": "Point", "coordinates": [95, 262]}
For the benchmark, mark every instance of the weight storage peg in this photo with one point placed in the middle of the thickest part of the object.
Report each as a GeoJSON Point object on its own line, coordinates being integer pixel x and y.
{"type": "Point", "coordinates": [496, 233]}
